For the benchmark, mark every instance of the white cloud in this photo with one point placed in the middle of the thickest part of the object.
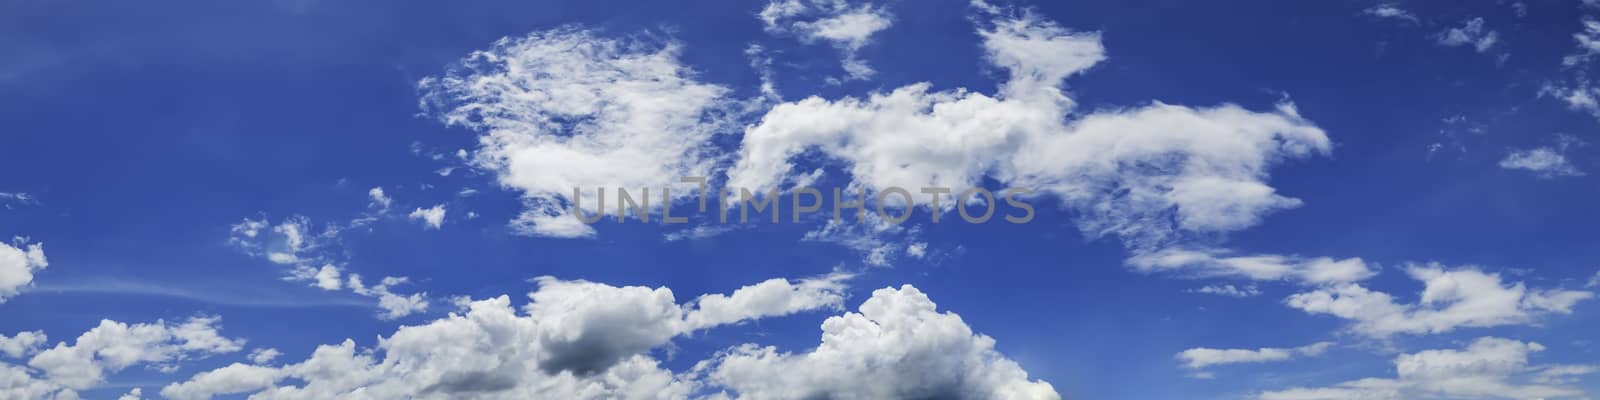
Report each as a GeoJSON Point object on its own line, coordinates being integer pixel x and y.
{"type": "Point", "coordinates": [379, 199]}
{"type": "Point", "coordinates": [263, 356]}
{"type": "Point", "coordinates": [1143, 173]}
{"type": "Point", "coordinates": [1229, 290]}
{"type": "Point", "coordinates": [234, 378]}
{"type": "Point", "coordinates": [432, 217]}
{"type": "Point", "coordinates": [113, 346]}
{"type": "Point", "coordinates": [1201, 357]}
{"type": "Point", "coordinates": [1206, 262]}
{"type": "Point", "coordinates": [1489, 368]}
{"type": "Point", "coordinates": [1471, 34]}
{"type": "Point", "coordinates": [18, 262]}
{"type": "Point", "coordinates": [1391, 11]}
{"type": "Point", "coordinates": [1588, 44]}
{"type": "Point", "coordinates": [132, 394]}
{"type": "Point", "coordinates": [1451, 299]}
{"type": "Point", "coordinates": [575, 339]}
{"type": "Point", "coordinates": [312, 258]}
{"type": "Point", "coordinates": [897, 347]}
{"type": "Point", "coordinates": [1547, 162]}
{"type": "Point", "coordinates": [22, 344]}
{"type": "Point", "coordinates": [564, 109]}
{"type": "Point", "coordinates": [847, 27]}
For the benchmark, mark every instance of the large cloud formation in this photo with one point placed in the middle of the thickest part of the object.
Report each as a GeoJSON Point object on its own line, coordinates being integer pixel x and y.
{"type": "Point", "coordinates": [1143, 173]}
{"type": "Point", "coordinates": [586, 340]}
{"type": "Point", "coordinates": [567, 108]}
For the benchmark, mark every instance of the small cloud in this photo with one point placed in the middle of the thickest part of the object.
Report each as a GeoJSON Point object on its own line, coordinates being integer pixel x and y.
{"type": "Point", "coordinates": [1471, 34]}
{"type": "Point", "coordinates": [1389, 11]}
{"type": "Point", "coordinates": [432, 217]}
{"type": "Point", "coordinates": [1547, 162]}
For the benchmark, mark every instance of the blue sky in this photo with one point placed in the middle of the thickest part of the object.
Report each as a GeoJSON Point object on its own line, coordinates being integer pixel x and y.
{"type": "Point", "coordinates": [1247, 199]}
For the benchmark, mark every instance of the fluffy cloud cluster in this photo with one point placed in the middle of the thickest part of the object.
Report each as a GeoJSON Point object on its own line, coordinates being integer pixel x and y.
{"type": "Point", "coordinates": [565, 109]}
{"type": "Point", "coordinates": [59, 372]}
{"type": "Point", "coordinates": [848, 27]}
{"type": "Point", "coordinates": [1450, 299]}
{"type": "Point", "coordinates": [18, 262]}
{"type": "Point", "coordinates": [1201, 357]}
{"type": "Point", "coordinates": [1142, 173]}
{"type": "Point", "coordinates": [585, 340]}
{"type": "Point", "coordinates": [294, 243]}
{"type": "Point", "coordinates": [1205, 262]}
{"type": "Point", "coordinates": [1489, 368]}
{"type": "Point", "coordinates": [897, 347]}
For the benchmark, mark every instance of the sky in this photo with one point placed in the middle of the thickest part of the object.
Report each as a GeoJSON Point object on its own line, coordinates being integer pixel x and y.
{"type": "Point", "coordinates": [1249, 199]}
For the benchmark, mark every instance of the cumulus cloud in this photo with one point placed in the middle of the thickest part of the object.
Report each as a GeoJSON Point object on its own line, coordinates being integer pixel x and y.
{"type": "Point", "coordinates": [1471, 34]}
{"type": "Point", "coordinates": [574, 339]}
{"type": "Point", "coordinates": [1142, 173]}
{"type": "Point", "coordinates": [565, 109]}
{"type": "Point", "coordinates": [311, 257]}
{"type": "Point", "coordinates": [432, 217]}
{"type": "Point", "coordinates": [1489, 368]}
{"type": "Point", "coordinates": [1547, 162]}
{"type": "Point", "coordinates": [21, 344]}
{"type": "Point", "coordinates": [1450, 299]}
{"type": "Point", "coordinates": [844, 25]}
{"type": "Point", "coordinates": [899, 346]}
{"type": "Point", "coordinates": [19, 260]}
{"type": "Point", "coordinates": [110, 347]}
{"type": "Point", "coordinates": [1206, 262]}
{"type": "Point", "coordinates": [1201, 357]}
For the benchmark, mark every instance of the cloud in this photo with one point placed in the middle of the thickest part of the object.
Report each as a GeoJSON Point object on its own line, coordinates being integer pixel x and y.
{"type": "Point", "coordinates": [574, 339]}
{"type": "Point", "coordinates": [380, 200]}
{"type": "Point", "coordinates": [1207, 262]}
{"type": "Point", "coordinates": [1229, 290]}
{"type": "Point", "coordinates": [22, 344]}
{"type": "Point", "coordinates": [1146, 174]}
{"type": "Point", "coordinates": [18, 262]}
{"type": "Point", "coordinates": [1392, 12]}
{"type": "Point", "coordinates": [565, 109]}
{"type": "Point", "coordinates": [1547, 162]}
{"type": "Point", "coordinates": [312, 258]}
{"type": "Point", "coordinates": [1450, 299]}
{"type": "Point", "coordinates": [1471, 34]}
{"type": "Point", "coordinates": [847, 27]}
{"type": "Point", "coordinates": [432, 217]}
{"type": "Point", "coordinates": [114, 346]}
{"type": "Point", "coordinates": [1201, 357]}
{"type": "Point", "coordinates": [263, 356]}
{"type": "Point", "coordinates": [1489, 368]}
{"type": "Point", "coordinates": [897, 347]}
{"type": "Point", "coordinates": [1588, 44]}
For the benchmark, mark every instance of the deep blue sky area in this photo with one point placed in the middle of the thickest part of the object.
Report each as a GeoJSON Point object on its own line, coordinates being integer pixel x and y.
{"type": "Point", "coordinates": [143, 132]}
